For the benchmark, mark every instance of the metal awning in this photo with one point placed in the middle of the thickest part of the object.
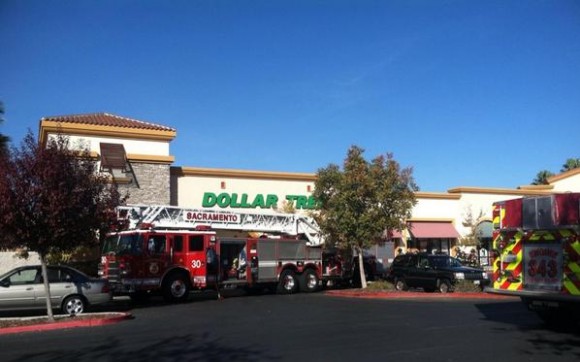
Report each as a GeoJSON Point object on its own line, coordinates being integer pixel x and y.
{"type": "Point", "coordinates": [113, 157]}
{"type": "Point", "coordinates": [433, 230]}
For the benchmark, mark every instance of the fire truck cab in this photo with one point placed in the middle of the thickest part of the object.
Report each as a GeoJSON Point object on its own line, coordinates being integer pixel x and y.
{"type": "Point", "coordinates": [536, 254]}
{"type": "Point", "coordinates": [172, 261]}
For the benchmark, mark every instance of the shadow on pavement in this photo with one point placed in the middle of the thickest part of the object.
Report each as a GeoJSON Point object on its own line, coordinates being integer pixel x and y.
{"type": "Point", "coordinates": [185, 347]}
{"type": "Point", "coordinates": [515, 313]}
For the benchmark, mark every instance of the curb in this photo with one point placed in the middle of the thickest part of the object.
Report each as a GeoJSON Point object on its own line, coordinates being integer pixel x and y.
{"type": "Point", "coordinates": [91, 322]}
{"type": "Point", "coordinates": [415, 295]}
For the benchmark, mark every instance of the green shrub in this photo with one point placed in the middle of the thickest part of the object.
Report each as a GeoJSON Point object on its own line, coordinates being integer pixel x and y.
{"type": "Point", "coordinates": [467, 286]}
{"type": "Point", "coordinates": [380, 285]}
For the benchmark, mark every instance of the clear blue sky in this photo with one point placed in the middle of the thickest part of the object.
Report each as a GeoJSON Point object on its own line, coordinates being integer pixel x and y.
{"type": "Point", "coordinates": [468, 93]}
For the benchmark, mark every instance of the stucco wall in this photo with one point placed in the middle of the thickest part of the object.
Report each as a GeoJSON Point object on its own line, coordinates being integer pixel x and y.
{"type": "Point", "coordinates": [568, 184]}
{"type": "Point", "coordinates": [144, 147]}
{"type": "Point", "coordinates": [9, 261]}
{"type": "Point", "coordinates": [477, 203]}
{"type": "Point", "coordinates": [191, 189]}
{"type": "Point", "coordinates": [434, 208]}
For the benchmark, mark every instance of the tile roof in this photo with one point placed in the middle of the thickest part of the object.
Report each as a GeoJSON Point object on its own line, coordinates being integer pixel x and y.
{"type": "Point", "coordinates": [106, 119]}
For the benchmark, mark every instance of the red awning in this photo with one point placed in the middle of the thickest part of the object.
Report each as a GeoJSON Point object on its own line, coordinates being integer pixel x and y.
{"type": "Point", "coordinates": [444, 230]}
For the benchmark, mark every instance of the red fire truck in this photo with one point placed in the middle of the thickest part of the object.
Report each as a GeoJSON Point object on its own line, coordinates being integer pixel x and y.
{"type": "Point", "coordinates": [536, 256]}
{"type": "Point", "coordinates": [173, 250]}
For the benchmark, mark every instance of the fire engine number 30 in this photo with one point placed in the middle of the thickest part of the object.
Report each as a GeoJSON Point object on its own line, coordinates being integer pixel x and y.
{"type": "Point", "coordinates": [196, 264]}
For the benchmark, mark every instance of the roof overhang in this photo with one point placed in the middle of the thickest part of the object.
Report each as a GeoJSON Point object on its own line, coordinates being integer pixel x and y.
{"type": "Point", "coordinates": [47, 127]}
{"type": "Point", "coordinates": [214, 172]}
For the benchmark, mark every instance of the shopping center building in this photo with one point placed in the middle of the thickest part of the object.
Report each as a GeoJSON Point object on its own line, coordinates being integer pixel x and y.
{"type": "Point", "coordinates": [138, 156]}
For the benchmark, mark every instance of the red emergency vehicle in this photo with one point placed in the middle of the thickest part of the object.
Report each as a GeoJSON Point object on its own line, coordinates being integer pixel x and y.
{"type": "Point", "coordinates": [174, 250]}
{"type": "Point", "coordinates": [536, 256]}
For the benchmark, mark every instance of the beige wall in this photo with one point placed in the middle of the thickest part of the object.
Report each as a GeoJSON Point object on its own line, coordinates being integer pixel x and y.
{"type": "Point", "coordinates": [143, 147]}
{"type": "Point", "coordinates": [9, 260]}
{"type": "Point", "coordinates": [191, 185]}
{"type": "Point", "coordinates": [570, 183]}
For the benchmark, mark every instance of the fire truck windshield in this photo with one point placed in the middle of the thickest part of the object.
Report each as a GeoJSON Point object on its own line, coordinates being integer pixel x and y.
{"type": "Point", "coordinates": [123, 244]}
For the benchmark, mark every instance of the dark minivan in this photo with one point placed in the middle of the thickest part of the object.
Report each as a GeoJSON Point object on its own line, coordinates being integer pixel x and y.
{"type": "Point", "coordinates": [432, 272]}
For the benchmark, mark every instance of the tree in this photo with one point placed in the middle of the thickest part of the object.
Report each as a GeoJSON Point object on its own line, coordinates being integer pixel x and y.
{"type": "Point", "coordinates": [471, 222]}
{"type": "Point", "coordinates": [359, 203]}
{"type": "Point", "coordinates": [542, 177]}
{"type": "Point", "coordinates": [570, 164]}
{"type": "Point", "coordinates": [52, 200]}
{"type": "Point", "coordinates": [3, 139]}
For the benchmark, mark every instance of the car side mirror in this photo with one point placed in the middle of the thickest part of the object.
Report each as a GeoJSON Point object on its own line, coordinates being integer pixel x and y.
{"type": "Point", "coordinates": [5, 283]}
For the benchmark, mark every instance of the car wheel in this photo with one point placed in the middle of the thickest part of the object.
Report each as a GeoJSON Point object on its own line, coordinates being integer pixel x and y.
{"type": "Point", "coordinates": [400, 284]}
{"type": "Point", "coordinates": [176, 288]}
{"type": "Point", "coordinates": [444, 286]}
{"type": "Point", "coordinates": [73, 305]}
{"type": "Point", "coordinates": [288, 283]}
{"type": "Point", "coordinates": [309, 281]}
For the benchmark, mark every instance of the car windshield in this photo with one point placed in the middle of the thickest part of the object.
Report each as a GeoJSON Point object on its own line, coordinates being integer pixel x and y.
{"type": "Point", "coordinates": [123, 244]}
{"type": "Point", "coordinates": [445, 261]}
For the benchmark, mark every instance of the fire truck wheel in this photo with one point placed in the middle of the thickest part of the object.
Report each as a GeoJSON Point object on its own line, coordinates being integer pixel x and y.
{"type": "Point", "coordinates": [288, 283]}
{"type": "Point", "coordinates": [309, 281]}
{"type": "Point", "coordinates": [176, 288]}
{"type": "Point", "coordinates": [73, 305]}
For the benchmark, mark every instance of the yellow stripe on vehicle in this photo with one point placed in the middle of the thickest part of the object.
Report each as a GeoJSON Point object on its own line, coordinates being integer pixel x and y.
{"type": "Point", "coordinates": [574, 267]}
{"type": "Point", "coordinates": [571, 287]}
{"type": "Point", "coordinates": [576, 246]}
{"type": "Point", "coordinates": [542, 236]}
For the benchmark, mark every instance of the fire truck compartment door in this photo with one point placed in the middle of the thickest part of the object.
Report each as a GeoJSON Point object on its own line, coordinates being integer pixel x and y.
{"type": "Point", "coordinates": [196, 258]}
{"type": "Point", "coordinates": [267, 262]}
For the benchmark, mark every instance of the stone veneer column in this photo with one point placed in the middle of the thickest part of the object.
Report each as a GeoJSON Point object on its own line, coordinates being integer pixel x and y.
{"type": "Point", "coordinates": [152, 184]}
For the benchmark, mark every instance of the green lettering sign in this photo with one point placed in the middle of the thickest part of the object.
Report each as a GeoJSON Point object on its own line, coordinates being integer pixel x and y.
{"type": "Point", "coordinates": [312, 204]}
{"type": "Point", "coordinates": [301, 202]}
{"type": "Point", "coordinates": [259, 201]}
{"type": "Point", "coordinates": [271, 201]}
{"type": "Point", "coordinates": [209, 199]}
{"type": "Point", "coordinates": [244, 202]}
{"type": "Point", "coordinates": [268, 201]}
{"type": "Point", "coordinates": [234, 204]}
{"type": "Point", "coordinates": [223, 200]}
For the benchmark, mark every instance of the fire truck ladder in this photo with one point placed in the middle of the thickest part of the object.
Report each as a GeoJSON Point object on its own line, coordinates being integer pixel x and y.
{"type": "Point", "coordinates": [173, 217]}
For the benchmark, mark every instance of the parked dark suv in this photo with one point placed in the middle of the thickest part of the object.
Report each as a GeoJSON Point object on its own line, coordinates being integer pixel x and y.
{"type": "Point", "coordinates": [432, 272]}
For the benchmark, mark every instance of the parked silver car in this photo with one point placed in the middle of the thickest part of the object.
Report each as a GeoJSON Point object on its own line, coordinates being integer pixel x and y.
{"type": "Point", "coordinates": [71, 290]}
